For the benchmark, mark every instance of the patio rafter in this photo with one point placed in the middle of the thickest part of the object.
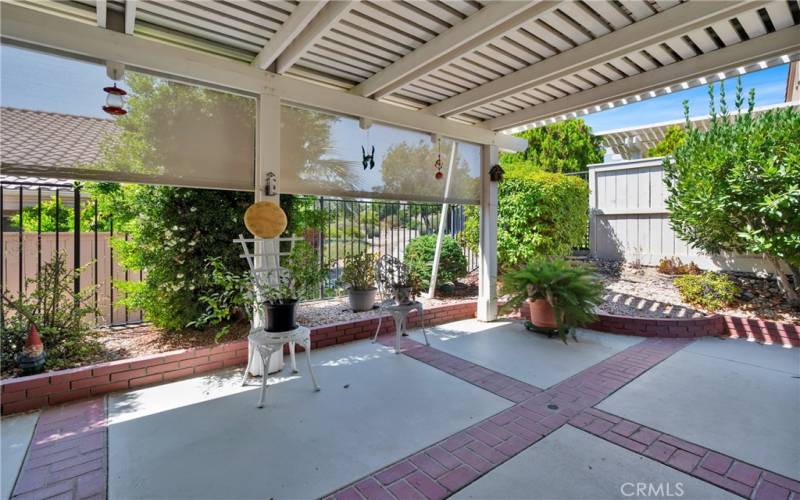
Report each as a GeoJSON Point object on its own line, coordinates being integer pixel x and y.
{"type": "Point", "coordinates": [484, 26]}
{"type": "Point", "coordinates": [636, 36]}
{"type": "Point", "coordinates": [299, 20]}
{"type": "Point", "coordinates": [28, 26]}
{"type": "Point", "coordinates": [330, 14]}
{"type": "Point", "coordinates": [766, 47]}
{"type": "Point", "coordinates": [130, 16]}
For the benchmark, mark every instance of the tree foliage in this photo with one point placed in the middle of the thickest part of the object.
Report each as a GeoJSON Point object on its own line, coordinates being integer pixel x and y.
{"type": "Point", "coordinates": [539, 214]}
{"type": "Point", "coordinates": [674, 137]}
{"type": "Point", "coordinates": [736, 186]}
{"type": "Point", "coordinates": [563, 147]}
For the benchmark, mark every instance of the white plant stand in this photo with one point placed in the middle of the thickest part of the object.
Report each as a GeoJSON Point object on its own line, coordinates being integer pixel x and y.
{"type": "Point", "coordinates": [400, 314]}
{"type": "Point", "coordinates": [269, 344]}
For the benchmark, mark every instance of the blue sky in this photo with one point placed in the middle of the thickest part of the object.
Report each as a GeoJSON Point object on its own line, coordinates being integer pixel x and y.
{"type": "Point", "coordinates": [40, 81]}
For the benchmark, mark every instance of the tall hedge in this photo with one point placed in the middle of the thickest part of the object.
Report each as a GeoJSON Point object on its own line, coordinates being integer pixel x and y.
{"type": "Point", "coordinates": [539, 214]}
{"type": "Point", "coordinates": [419, 254]}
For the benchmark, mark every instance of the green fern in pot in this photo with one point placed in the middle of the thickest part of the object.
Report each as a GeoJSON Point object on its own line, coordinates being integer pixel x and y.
{"type": "Point", "coordinates": [562, 295]}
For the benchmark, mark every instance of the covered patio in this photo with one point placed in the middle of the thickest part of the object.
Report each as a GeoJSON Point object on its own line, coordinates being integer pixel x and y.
{"type": "Point", "coordinates": [488, 410]}
{"type": "Point", "coordinates": [506, 415]}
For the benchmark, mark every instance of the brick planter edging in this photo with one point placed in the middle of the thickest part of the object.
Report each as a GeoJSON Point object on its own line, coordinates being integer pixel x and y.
{"type": "Point", "coordinates": [51, 388]}
{"type": "Point", "coordinates": [759, 330]}
{"type": "Point", "coordinates": [709, 326]}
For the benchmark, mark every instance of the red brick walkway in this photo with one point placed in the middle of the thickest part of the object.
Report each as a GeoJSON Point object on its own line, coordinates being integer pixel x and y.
{"type": "Point", "coordinates": [67, 457]}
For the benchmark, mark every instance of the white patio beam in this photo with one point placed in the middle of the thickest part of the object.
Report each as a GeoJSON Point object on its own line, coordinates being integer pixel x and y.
{"type": "Point", "coordinates": [101, 11]}
{"type": "Point", "coordinates": [322, 22]}
{"type": "Point", "coordinates": [773, 45]}
{"type": "Point", "coordinates": [298, 20]}
{"type": "Point", "coordinates": [663, 26]}
{"type": "Point", "coordinates": [130, 16]}
{"type": "Point", "coordinates": [55, 33]}
{"type": "Point", "coordinates": [487, 24]}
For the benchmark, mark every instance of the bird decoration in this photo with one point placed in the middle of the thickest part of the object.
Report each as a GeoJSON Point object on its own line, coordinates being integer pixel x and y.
{"type": "Point", "coordinates": [438, 163]}
{"type": "Point", "coordinates": [368, 160]}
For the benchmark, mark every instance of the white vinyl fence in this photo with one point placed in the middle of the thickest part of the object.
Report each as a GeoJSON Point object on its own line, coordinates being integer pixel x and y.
{"type": "Point", "coordinates": [629, 219]}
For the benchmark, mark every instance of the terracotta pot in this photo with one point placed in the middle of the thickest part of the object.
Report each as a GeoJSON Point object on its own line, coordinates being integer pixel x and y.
{"type": "Point", "coordinates": [542, 314]}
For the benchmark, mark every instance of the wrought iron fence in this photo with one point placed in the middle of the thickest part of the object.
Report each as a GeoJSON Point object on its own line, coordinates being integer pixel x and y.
{"type": "Point", "coordinates": [382, 227]}
{"type": "Point", "coordinates": [26, 244]}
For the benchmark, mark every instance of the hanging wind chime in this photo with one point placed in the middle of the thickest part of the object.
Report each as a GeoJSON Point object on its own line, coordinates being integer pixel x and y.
{"type": "Point", "coordinates": [438, 163]}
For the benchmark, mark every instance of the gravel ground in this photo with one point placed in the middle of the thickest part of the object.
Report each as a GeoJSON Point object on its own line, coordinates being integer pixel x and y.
{"type": "Point", "coordinates": [629, 291]}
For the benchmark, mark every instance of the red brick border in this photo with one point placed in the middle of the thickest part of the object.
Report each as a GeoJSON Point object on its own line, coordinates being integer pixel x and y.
{"type": "Point", "coordinates": [68, 454]}
{"type": "Point", "coordinates": [766, 332]}
{"type": "Point", "coordinates": [720, 470]}
{"type": "Point", "coordinates": [709, 326]}
{"type": "Point", "coordinates": [38, 391]}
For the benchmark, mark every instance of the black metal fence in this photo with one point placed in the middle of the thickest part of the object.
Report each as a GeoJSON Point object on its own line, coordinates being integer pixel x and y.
{"type": "Point", "coordinates": [382, 228]}
{"type": "Point", "coordinates": [39, 220]}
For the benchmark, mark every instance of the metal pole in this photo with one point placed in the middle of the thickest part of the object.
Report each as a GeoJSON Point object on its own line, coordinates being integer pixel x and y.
{"type": "Point", "coordinates": [442, 223]}
{"type": "Point", "coordinates": [76, 257]}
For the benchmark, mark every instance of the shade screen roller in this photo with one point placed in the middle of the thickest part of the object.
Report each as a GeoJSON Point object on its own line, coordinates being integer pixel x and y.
{"type": "Point", "coordinates": [173, 133]}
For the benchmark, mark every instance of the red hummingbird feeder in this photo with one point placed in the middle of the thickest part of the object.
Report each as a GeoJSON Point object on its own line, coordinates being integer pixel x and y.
{"type": "Point", "coordinates": [115, 100]}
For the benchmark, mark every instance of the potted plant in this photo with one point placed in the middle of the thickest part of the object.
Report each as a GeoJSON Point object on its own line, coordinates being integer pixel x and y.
{"type": "Point", "coordinates": [561, 295]}
{"type": "Point", "coordinates": [396, 277]}
{"type": "Point", "coordinates": [359, 274]}
{"type": "Point", "coordinates": [301, 273]}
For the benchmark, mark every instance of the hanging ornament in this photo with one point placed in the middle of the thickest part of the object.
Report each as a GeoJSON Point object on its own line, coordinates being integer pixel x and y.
{"type": "Point", "coordinates": [115, 100]}
{"type": "Point", "coordinates": [438, 163]}
{"type": "Point", "coordinates": [368, 160]}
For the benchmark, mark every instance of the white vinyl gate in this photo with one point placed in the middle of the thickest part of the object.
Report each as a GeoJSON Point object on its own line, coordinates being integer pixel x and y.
{"type": "Point", "coordinates": [629, 219]}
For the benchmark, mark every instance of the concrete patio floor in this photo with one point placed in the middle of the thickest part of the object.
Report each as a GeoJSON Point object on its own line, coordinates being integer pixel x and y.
{"type": "Point", "coordinates": [489, 411]}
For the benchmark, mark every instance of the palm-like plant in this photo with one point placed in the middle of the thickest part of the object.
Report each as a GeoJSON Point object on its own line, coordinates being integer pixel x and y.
{"type": "Point", "coordinates": [573, 291]}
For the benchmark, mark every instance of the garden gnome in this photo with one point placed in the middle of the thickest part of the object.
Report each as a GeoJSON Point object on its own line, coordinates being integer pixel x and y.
{"type": "Point", "coordinates": [32, 357]}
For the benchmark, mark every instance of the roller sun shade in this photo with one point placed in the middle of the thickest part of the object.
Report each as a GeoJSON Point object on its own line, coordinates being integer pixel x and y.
{"type": "Point", "coordinates": [322, 154]}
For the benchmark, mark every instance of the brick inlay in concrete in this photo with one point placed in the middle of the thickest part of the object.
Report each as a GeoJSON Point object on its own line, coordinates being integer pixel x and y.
{"type": "Point", "coordinates": [723, 471]}
{"type": "Point", "coordinates": [451, 464]}
{"type": "Point", "coordinates": [67, 457]}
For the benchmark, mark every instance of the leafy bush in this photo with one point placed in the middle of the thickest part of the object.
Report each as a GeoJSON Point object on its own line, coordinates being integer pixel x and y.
{"type": "Point", "coordinates": [566, 146]}
{"type": "Point", "coordinates": [539, 214]}
{"type": "Point", "coordinates": [573, 290]}
{"type": "Point", "coordinates": [419, 254]}
{"type": "Point", "coordinates": [674, 137]}
{"type": "Point", "coordinates": [736, 186]}
{"type": "Point", "coordinates": [173, 235]}
{"type": "Point", "coordinates": [229, 296]}
{"type": "Point", "coordinates": [710, 291]}
{"type": "Point", "coordinates": [673, 266]}
{"type": "Point", "coordinates": [359, 271]}
{"type": "Point", "coordinates": [57, 312]}
{"type": "Point", "coordinates": [303, 273]}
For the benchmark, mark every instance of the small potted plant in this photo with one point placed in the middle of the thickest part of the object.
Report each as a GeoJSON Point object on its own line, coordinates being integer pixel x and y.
{"type": "Point", "coordinates": [397, 278]}
{"type": "Point", "coordinates": [300, 276]}
{"type": "Point", "coordinates": [359, 274]}
{"type": "Point", "coordinates": [561, 295]}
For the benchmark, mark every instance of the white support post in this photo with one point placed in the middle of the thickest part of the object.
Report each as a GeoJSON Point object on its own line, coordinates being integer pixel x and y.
{"type": "Point", "coordinates": [442, 223]}
{"type": "Point", "coordinates": [268, 160]}
{"type": "Point", "coordinates": [487, 257]}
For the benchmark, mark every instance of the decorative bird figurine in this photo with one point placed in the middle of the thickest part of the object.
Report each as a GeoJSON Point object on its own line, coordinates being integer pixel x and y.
{"type": "Point", "coordinates": [368, 160]}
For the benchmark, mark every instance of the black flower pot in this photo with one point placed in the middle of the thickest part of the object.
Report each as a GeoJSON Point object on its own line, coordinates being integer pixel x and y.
{"type": "Point", "coordinates": [281, 317]}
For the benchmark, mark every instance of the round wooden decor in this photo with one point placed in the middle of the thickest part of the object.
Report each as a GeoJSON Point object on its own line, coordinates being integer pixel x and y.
{"type": "Point", "coordinates": [265, 219]}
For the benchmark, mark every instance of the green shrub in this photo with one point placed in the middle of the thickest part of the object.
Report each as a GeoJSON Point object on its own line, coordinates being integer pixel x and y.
{"type": "Point", "coordinates": [736, 186]}
{"type": "Point", "coordinates": [229, 296]}
{"type": "Point", "coordinates": [710, 291]}
{"type": "Point", "coordinates": [359, 271]}
{"type": "Point", "coordinates": [59, 314]}
{"type": "Point", "coordinates": [674, 137]}
{"type": "Point", "coordinates": [566, 146]}
{"type": "Point", "coordinates": [539, 214]}
{"type": "Point", "coordinates": [419, 254]}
